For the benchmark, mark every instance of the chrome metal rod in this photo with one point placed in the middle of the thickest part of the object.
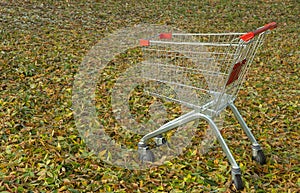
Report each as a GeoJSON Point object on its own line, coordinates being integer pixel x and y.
{"type": "Point", "coordinates": [180, 118]}
{"type": "Point", "coordinates": [243, 124]}
{"type": "Point", "coordinates": [221, 141]}
{"type": "Point", "coordinates": [171, 125]}
{"type": "Point", "coordinates": [188, 118]}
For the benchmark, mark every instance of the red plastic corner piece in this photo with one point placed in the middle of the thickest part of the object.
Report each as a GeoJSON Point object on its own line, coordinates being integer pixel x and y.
{"type": "Point", "coordinates": [165, 35]}
{"type": "Point", "coordinates": [248, 36]}
{"type": "Point", "coordinates": [144, 42]}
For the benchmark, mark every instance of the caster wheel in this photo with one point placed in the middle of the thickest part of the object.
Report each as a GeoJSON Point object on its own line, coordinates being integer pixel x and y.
{"type": "Point", "coordinates": [260, 157]}
{"type": "Point", "coordinates": [237, 181]}
{"type": "Point", "coordinates": [160, 140]}
{"type": "Point", "coordinates": [146, 155]}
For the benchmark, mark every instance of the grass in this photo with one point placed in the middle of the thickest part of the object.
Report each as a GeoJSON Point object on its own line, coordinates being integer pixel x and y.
{"type": "Point", "coordinates": [42, 44]}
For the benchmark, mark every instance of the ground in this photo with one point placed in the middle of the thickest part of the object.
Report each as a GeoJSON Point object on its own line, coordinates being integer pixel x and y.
{"type": "Point", "coordinates": [42, 43]}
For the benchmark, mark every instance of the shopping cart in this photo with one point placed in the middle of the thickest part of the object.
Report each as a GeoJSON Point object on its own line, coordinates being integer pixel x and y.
{"type": "Point", "coordinates": [211, 66]}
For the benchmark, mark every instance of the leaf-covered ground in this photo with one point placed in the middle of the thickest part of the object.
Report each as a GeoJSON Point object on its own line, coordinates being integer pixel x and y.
{"type": "Point", "coordinates": [42, 43]}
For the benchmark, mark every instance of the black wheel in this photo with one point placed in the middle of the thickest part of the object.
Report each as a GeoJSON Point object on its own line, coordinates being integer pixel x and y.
{"type": "Point", "coordinates": [260, 157]}
{"type": "Point", "coordinates": [147, 156]}
{"type": "Point", "coordinates": [237, 181]}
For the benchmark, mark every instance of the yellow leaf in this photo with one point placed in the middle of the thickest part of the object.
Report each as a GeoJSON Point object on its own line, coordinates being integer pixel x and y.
{"type": "Point", "coordinates": [62, 188]}
{"type": "Point", "coordinates": [102, 153]}
{"type": "Point", "coordinates": [58, 146]}
{"type": "Point", "coordinates": [60, 138]}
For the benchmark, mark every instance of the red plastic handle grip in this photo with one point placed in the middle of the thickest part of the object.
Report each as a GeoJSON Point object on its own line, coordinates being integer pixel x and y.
{"type": "Point", "coordinates": [248, 36]}
{"type": "Point", "coordinates": [268, 26]}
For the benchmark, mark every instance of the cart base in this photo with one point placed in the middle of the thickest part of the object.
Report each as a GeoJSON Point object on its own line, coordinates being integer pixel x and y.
{"type": "Point", "coordinates": [146, 155]}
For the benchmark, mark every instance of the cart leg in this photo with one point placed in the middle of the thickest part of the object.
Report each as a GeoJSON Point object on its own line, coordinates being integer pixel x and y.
{"type": "Point", "coordinates": [235, 169]}
{"type": "Point", "coordinates": [185, 119]}
{"type": "Point", "coordinates": [258, 154]}
{"type": "Point", "coordinates": [221, 141]}
{"type": "Point", "coordinates": [170, 125]}
{"type": "Point", "coordinates": [147, 155]}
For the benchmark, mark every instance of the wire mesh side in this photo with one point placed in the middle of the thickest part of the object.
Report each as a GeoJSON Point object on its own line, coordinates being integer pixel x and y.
{"type": "Point", "coordinates": [189, 64]}
{"type": "Point", "coordinates": [244, 58]}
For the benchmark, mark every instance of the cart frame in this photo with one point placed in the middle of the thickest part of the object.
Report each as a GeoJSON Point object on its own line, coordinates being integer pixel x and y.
{"type": "Point", "coordinates": [231, 54]}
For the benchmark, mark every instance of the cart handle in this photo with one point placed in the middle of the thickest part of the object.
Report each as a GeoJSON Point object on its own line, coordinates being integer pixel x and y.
{"type": "Point", "coordinates": [248, 36]}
